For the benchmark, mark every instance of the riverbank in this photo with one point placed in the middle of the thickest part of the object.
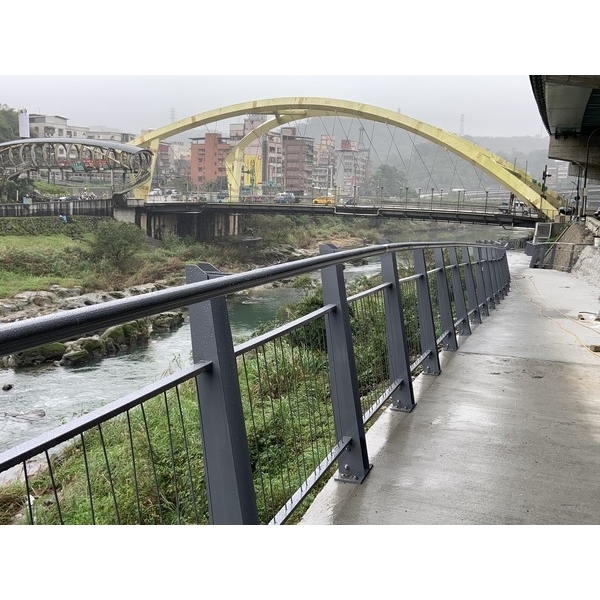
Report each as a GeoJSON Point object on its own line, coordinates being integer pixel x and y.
{"type": "Point", "coordinates": [102, 344]}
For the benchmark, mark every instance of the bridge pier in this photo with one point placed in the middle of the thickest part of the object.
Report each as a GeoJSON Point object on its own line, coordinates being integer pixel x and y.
{"type": "Point", "coordinates": [197, 225]}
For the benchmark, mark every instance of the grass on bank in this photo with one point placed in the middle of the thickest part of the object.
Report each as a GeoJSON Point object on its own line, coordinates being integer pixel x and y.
{"type": "Point", "coordinates": [75, 258]}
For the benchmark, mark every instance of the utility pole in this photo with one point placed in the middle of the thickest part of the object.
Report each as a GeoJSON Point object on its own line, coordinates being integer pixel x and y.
{"type": "Point", "coordinates": [545, 175]}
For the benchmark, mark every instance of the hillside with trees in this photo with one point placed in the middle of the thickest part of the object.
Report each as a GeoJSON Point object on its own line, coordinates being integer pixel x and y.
{"type": "Point", "coordinates": [9, 124]}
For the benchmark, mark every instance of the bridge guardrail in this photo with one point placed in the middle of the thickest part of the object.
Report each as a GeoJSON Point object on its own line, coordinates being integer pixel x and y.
{"type": "Point", "coordinates": [246, 432]}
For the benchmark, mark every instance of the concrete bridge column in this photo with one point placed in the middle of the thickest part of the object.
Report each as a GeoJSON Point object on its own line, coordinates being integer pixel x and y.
{"type": "Point", "coordinates": [225, 225]}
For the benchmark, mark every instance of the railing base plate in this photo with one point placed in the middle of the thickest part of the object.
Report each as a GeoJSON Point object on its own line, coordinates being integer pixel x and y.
{"type": "Point", "coordinates": [352, 478]}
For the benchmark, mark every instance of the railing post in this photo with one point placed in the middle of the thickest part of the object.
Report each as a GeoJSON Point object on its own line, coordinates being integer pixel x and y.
{"type": "Point", "coordinates": [462, 317]}
{"type": "Point", "coordinates": [481, 288]}
{"type": "Point", "coordinates": [472, 298]}
{"type": "Point", "coordinates": [431, 364]}
{"type": "Point", "coordinates": [491, 254]}
{"type": "Point", "coordinates": [353, 463]}
{"type": "Point", "coordinates": [228, 474]}
{"type": "Point", "coordinates": [487, 281]}
{"type": "Point", "coordinates": [500, 276]}
{"type": "Point", "coordinates": [403, 397]}
{"type": "Point", "coordinates": [552, 255]}
{"type": "Point", "coordinates": [487, 277]}
{"type": "Point", "coordinates": [505, 272]}
{"type": "Point", "coordinates": [443, 296]}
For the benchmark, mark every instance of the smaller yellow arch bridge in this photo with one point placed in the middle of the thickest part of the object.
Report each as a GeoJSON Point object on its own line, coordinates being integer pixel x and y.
{"type": "Point", "coordinates": [284, 110]}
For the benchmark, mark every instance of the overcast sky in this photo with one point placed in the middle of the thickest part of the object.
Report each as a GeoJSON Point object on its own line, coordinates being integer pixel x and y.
{"type": "Point", "coordinates": [488, 105]}
{"type": "Point", "coordinates": [438, 62]}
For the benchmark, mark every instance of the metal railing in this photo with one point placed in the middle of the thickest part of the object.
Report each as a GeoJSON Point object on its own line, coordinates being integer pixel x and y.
{"type": "Point", "coordinates": [560, 256]}
{"type": "Point", "coordinates": [246, 433]}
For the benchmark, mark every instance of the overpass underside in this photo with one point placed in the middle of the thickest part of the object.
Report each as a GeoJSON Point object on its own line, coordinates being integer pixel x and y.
{"type": "Point", "coordinates": [227, 219]}
{"type": "Point", "coordinates": [194, 224]}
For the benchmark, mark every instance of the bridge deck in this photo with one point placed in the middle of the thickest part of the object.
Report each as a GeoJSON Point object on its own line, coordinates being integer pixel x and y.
{"type": "Point", "coordinates": [509, 433]}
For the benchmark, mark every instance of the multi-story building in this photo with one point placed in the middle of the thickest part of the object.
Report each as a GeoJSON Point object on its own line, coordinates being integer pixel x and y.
{"type": "Point", "coordinates": [43, 126]}
{"type": "Point", "coordinates": [298, 162]}
{"type": "Point", "coordinates": [324, 167]}
{"type": "Point", "coordinates": [272, 162]}
{"type": "Point", "coordinates": [352, 168]}
{"type": "Point", "coordinates": [207, 158]}
{"type": "Point", "coordinates": [180, 157]}
{"type": "Point", "coordinates": [264, 154]}
{"type": "Point", "coordinates": [99, 132]}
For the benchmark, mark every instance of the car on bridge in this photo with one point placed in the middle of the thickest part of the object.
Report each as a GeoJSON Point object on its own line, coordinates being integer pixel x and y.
{"type": "Point", "coordinates": [517, 207]}
{"type": "Point", "coordinates": [285, 198]}
{"type": "Point", "coordinates": [567, 209]}
{"type": "Point", "coordinates": [324, 200]}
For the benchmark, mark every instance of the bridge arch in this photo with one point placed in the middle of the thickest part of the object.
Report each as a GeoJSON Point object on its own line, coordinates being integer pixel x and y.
{"type": "Point", "coordinates": [20, 156]}
{"type": "Point", "coordinates": [291, 108]}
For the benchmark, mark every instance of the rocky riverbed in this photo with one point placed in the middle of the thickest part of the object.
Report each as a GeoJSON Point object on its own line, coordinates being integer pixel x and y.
{"type": "Point", "coordinates": [114, 340]}
{"type": "Point", "coordinates": [100, 344]}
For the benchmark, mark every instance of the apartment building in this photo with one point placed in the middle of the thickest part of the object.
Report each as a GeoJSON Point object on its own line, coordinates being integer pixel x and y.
{"type": "Point", "coordinates": [324, 165]}
{"type": "Point", "coordinates": [43, 126]}
{"type": "Point", "coordinates": [298, 162]}
{"type": "Point", "coordinates": [207, 157]}
{"type": "Point", "coordinates": [352, 169]}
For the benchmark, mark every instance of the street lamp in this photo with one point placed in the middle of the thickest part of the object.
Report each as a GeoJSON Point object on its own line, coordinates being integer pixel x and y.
{"type": "Point", "coordinates": [406, 196]}
{"type": "Point", "coordinates": [587, 158]}
{"type": "Point", "coordinates": [432, 189]}
{"type": "Point", "coordinates": [486, 200]}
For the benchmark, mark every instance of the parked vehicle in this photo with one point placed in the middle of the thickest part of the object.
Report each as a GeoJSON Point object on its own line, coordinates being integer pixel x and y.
{"type": "Point", "coordinates": [324, 200]}
{"type": "Point", "coordinates": [285, 198]}
{"type": "Point", "coordinates": [518, 207]}
{"type": "Point", "coordinates": [568, 209]}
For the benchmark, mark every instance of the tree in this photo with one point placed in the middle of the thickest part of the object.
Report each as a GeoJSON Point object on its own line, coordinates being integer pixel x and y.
{"type": "Point", "coordinates": [9, 124]}
{"type": "Point", "coordinates": [390, 178]}
{"type": "Point", "coordinates": [116, 241]}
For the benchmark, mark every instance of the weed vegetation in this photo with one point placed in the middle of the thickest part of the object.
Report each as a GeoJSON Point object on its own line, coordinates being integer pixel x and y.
{"type": "Point", "coordinates": [111, 255]}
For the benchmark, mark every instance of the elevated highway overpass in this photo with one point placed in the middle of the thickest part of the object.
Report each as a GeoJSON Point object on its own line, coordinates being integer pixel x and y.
{"type": "Point", "coordinates": [569, 107]}
{"type": "Point", "coordinates": [208, 219]}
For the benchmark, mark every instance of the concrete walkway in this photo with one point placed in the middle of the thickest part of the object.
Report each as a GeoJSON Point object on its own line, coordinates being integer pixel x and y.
{"type": "Point", "coordinates": [508, 433]}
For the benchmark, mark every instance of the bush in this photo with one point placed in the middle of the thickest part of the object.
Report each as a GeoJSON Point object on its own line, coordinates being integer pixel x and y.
{"type": "Point", "coordinates": [116, 241]}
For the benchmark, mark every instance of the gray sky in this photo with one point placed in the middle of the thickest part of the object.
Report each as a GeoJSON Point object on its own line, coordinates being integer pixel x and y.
{"type": "Point", "coordinates": [433, 61]}
{"type": "Point", "coordinates": [491, 105]}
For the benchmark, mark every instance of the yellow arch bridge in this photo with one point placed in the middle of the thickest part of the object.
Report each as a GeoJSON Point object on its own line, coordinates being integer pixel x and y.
{"type": "Point", "coordinates": [284, 110]}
